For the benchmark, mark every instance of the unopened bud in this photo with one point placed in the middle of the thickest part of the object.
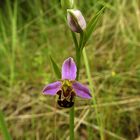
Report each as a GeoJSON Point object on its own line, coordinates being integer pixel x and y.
{"type": "Point", "coordinates": [67, 4]}
{"type": "Point", "coordinates": [76, 20]}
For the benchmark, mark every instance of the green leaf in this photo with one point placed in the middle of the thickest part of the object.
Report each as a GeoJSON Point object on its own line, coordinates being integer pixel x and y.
{"type": "Point", "coordinates": [92, 24]}
{"type": "Point", "coordinates": [55, 68]}
{"type": "Point", "coordinates": [3, 128]}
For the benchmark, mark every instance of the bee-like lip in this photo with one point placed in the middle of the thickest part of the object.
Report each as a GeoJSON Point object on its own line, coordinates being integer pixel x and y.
{"type": "Point", "coordinates": [65, 104]}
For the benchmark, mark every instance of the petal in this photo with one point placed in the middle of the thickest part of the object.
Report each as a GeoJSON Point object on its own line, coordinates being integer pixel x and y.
{"type": "Point", "coordinates": [69, 69]}
{"type": "Point", "coordinates": [52, 88]}
{"type": "Point", "coordinates": [81, 90]}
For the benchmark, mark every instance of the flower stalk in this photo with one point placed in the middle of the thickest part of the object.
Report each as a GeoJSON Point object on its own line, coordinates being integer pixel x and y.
{"type": "Point", "coordinates": [78, 63]}
{"type": "Point", "coordinates": [72, 123]}
{"type": "Point", "coordinates": [68, 86]}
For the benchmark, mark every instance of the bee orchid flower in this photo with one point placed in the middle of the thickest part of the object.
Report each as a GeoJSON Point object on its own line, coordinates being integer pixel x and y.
{"type": "Point", "coordinates": [67, 88]}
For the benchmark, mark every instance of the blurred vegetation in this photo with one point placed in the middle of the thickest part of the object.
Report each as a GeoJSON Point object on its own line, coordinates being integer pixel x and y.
{"type": "Point", "coordinates": [31, 31]}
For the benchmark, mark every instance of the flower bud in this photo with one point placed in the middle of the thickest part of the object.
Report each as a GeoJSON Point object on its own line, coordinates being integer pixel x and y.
{"type": "Point", "coordinates": [76, 21]}
{"type": "Point", "coordinates": [67, 4]}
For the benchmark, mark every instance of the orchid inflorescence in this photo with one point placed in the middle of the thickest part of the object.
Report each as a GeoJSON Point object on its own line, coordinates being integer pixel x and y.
{"type": "Point", "coordinates": [67, 88]}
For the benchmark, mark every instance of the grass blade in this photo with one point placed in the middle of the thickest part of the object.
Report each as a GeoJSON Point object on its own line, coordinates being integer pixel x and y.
{"type": "Point", "coordinates": [98, 117]}
{"type": "Point", "coordinates": [3, 128]}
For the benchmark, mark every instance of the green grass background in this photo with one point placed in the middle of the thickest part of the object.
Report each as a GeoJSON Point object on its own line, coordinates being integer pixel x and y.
{"type": "Point", "coordinates": [31, 31]}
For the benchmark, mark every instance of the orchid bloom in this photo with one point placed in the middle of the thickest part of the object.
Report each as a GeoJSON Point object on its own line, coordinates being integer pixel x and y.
{"type": "Point", "coordinates": [67, 88]}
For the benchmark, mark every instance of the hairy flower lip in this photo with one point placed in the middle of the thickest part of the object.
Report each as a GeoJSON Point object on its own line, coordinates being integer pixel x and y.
{"type": "Point", "coordinates": [68, 83]}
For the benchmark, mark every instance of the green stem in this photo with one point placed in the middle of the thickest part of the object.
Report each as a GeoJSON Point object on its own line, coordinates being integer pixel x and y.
{"type": "Point", "coordinates": [78, 63]}
{"type": "Point", "coordinates": [74, 40]}
{"type": "Point", "coordinates": [72, 123]}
